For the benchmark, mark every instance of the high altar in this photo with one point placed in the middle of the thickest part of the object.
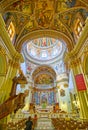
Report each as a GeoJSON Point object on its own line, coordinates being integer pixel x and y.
{"type": "Point", "coordinates": [44, 97]}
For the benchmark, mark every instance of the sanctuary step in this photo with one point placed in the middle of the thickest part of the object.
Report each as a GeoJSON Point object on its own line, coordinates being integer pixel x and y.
{"type": "Point", "coordinates": [44, 123]}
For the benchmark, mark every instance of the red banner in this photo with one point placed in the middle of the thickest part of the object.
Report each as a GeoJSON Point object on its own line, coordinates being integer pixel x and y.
{"type": "Point", "coordinates": [80, 82]}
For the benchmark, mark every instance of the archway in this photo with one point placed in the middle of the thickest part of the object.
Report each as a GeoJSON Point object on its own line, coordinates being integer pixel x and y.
{"type": "Point", "coordinates": [44, 86]}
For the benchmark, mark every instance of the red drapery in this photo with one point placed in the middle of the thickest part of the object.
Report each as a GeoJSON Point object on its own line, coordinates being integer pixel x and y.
{"type": "Point", "coordinates": [80, 82]}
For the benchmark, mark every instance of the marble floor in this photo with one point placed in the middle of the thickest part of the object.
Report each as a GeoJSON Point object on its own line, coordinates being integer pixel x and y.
{"type": "Point", "coordinates": [44, 123]}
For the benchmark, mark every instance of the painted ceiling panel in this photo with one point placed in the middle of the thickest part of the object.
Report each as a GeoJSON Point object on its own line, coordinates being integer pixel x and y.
{"type": "Point", "coordinates": [28, 16]}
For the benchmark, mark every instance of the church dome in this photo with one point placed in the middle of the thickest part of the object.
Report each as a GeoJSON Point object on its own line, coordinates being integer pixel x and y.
{"type": "Point", "coordinates": [43, 49]}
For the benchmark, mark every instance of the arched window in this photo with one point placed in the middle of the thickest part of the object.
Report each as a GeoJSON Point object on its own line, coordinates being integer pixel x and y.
{"type": "Point", "coordinates": [78, 28]}
{"type": "Point", "coordinates": [11, 31]}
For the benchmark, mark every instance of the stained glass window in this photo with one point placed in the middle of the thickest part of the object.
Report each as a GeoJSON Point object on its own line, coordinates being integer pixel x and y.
{"type": "Point", "coordinates": [44, 54]}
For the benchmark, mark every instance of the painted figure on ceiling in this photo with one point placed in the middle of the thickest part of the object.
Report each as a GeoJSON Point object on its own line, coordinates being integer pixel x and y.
{"type": "Point", "coordinates": [44, 14]}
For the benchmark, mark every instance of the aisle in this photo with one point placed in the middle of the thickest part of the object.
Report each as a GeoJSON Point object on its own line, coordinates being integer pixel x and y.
{"type": "Point", "coordinates": [44, 123]}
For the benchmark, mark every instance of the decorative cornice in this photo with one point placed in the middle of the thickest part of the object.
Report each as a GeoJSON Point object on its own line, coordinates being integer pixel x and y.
{"type": "Point", "coordinates": [50, 89]}
{"type": "Point", "coordinates": [43, 33]}
{"type": "Point", "coordinates": [62, 80]}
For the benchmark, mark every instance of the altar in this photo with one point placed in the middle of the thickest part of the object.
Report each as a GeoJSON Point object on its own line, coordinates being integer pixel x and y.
{"type": "Point", "coordinates": [44, 109]}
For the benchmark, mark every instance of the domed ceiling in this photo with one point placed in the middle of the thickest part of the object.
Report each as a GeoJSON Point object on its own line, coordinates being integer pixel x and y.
{"type": "Point", "coordinates": [43, 49]}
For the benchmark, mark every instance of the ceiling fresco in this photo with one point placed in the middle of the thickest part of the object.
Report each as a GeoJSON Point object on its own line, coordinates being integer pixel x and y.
{"type": "Point", "coordinates": [44, 42]}
{"type": "Point", "coordinates": [43, 79]}
{"type": "Point", "coordinates": [43, 49]}
{"type": "Point", "coordinates": [44, 69]}
{"type": "Point", "coordinates": [48, 20]}
{"type": "Point", "coordinates": [30, 16]}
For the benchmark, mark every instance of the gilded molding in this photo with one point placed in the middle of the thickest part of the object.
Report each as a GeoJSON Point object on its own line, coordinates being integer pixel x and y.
{"type": "Point", "coordinates": [86, 47]}
{"type": "Point", "coordinates": [85, 59]}
{"type": "Point", "coordinates": [2, 24]}
{"type": "Point", "coordinates": [81, 42]}
{"type": "Point", "coordinates": [3, 61]}
{"type": "Point", "coordinates": [6, 40]}
{"type": "Point", "coordinates": [13, 63]}
{"type": "Point", "coordinates": [2, 50]}
{"type": "Point", "coordinates": [43, 33]}
{"type": "Point", "coordinates": [74, 62]}
{"type": "Point", "coordinates": [84, 2]}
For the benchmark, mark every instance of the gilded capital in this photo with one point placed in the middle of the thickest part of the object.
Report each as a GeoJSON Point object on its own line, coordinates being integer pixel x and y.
{"type": "Point", "coordinates": [75, 62]}
{"type": "Point", "coordinates": [13, 63]}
